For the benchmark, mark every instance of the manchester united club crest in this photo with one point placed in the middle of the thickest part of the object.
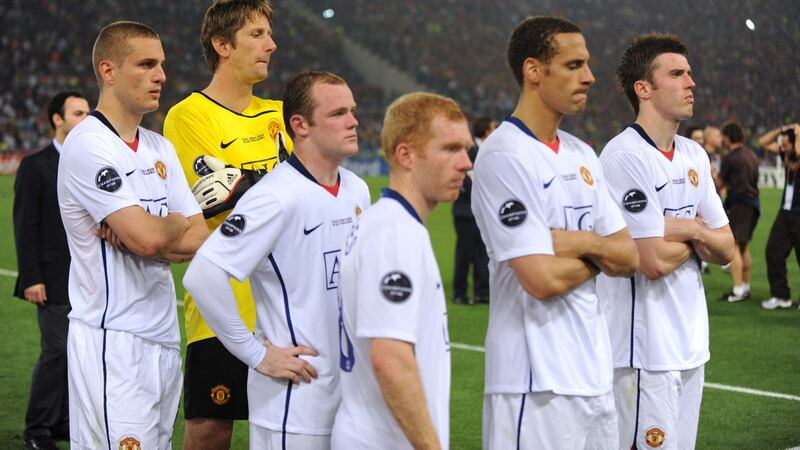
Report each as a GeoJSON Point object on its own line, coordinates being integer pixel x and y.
{"type": "Point", "coordinates": [273, 127]}
{"type": "Point", "coordinates": [161, 170]}
{"type": "Point", "coordinates": [220, 394]}
{"type": "Point", "coordinates": [129, 443]}
{"type": "Point", "coordinates": [693, 177]}
{"type": "Point", "coordinates": [587, 176]}
{"type": "Point", "coordinates": [358, 211]}
{"type": "Point", "coordinates": [654, 437]}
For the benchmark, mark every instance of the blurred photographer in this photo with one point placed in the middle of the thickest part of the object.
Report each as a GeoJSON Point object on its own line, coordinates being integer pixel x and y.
{"type": "Point", "coordinates": [785, 233]}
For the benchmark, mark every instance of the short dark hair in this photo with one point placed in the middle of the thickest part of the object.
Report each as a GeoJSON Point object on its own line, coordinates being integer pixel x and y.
{"type": "Point", "coordinates": [297, 96]}
{"type": "Point", "coordinates": [223, 19]}
{"type": "Point", "coordinates": [56, 105]}
{"type": "Point", "coordinates": [112, 43]}
{"type": "Point", "coordinates": [533, 38]}
{"type": "Point", "coordinates": [638, 60]}
{"type": "Point", "coordinates": [481, 126]}
{"type": "Point", "coordinates": [733, 131]}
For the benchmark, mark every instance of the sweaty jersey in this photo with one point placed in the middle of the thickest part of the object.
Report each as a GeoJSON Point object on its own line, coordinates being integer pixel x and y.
{"type": "Point", "coordinates": [661, 324]}
{"type": "Point", "coordinates": [390, 288]}
{"type": "Point", "coordinates": [200, 126]}
{"type": "Point", "coordinates": [521, 190]}
{"type": "Point", "coordinates": [286, 234]}
{"type": "Point", "coordinates": [99, 174]}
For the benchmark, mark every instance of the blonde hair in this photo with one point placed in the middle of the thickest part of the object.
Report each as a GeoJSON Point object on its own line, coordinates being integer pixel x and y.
{"type": "Point", "coordinates": [112, 43]}
{"type": "Point", "coordinates": [408, 120]}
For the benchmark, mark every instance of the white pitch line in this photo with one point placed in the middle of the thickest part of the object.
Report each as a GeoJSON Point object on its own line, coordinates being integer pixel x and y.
{"type": "Point", "coordinates": [724, 387]}
{"type": "Point", "coordinates": [476, 348]}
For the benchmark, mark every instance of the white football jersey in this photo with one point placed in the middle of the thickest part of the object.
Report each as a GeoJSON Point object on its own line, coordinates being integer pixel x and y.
{"type": "Point", "coordinates": [99, 174]}
{"type": "Point", "coordinates": [286, 233]}
{"type": "Point", "coordinates": [521, 190]}
{"type": "Point", "coordinates": [391, 288]}
{"type": "Point", "coordinates": [662, 324]}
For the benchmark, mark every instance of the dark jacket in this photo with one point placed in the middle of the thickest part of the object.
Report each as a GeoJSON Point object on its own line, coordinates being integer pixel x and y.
{"type": "Point", "coordinates": [462, 207]}
{"type": "Point", "coordinates": [42, 250]}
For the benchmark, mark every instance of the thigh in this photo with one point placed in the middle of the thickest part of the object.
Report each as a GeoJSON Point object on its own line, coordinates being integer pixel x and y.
{"type": "Point", "coordinates": [690, 400]}
{"type": "Point", "coordinates": [626, 401]}
{"type": "Point", "coordinates": [502, 415]}
{"type": "Point", "coordinates": [171, 375]}
{"type": "Point", "coordinates": [86, 387]}
{"type": "Point", "coordinates": [215, 384]}
{"type": "Point", "coordinates": [553, 421]}
{"type": "Point", "coordinates": [658, 409]}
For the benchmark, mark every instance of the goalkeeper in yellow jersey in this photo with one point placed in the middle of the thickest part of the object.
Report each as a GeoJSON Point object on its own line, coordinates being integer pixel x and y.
{"type": "Point", "coordinates": [226, 139]}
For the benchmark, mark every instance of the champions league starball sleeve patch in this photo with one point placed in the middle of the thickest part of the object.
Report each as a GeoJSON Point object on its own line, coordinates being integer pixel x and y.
{"type": "Point", "coordinates": [512, 213]}
{"type": "Point", "coordinates": [233, 226]}
{"type": "Point", "coordinates": [396, 287]}
{"type": "Point", "coordinates": [200, 167]}
{"type": "Point", "coordinates": [634, 201]}
{"type": "Point", "coordinates": [107, 179]}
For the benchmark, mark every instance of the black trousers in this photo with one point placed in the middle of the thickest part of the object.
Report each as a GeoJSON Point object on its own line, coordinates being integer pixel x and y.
{"type": "Point", "coordinates": [48, 412]}
{"type": "Point", "coordinates": [470, 251]}
{"type": "Point", "coordinates": [784, 236]}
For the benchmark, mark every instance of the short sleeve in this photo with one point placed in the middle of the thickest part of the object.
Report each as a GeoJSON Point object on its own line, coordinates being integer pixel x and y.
{"type": "Point", "coordinates": [511, 206]}
{"type": "Point", "coordinates": [710, 207]}
{"type": "Point", "coordinates": [179, 197]}
{"type": "Point", "coordinates": [247, 235]}
{"type": "Point", "coordinates": [391, 285]}
{"type": "Point", "coordinates": [193, 136]}
{"type": "Point", "coordinates": [609, 218]}
{"type": "Point", "coordinates": [633, 190]}
{"type": "Point", "coordinates": [95, 178]}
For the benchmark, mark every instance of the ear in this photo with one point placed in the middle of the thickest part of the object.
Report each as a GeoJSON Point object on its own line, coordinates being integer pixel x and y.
{"type": "Point", "coordinates": [221, 46]}
{"type": "Point", "coordinates": [404, 155]}
{"type": "Point", "coordinates": [532, 70]}
{"type": "Point", "coordinates": [108, 71]}
{"type": "Point", "coordinates": [642, 89]}
{"type": "Point", "coordinates": [299, 125]}
{"type": "Point", "coordinates": [57, 120]}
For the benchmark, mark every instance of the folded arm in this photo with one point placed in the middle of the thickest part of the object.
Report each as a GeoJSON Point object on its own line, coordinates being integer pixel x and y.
{"type": "Point", "coordinates": [546, 276]}
{"type": "Point", "coordinates": [615, 254]}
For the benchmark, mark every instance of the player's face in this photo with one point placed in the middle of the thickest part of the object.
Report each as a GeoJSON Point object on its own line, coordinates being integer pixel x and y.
{"type": "Point", "coordinates": [565, 84]}
{"type": "Point", "coordinates": [334, 120]}
{"type": "Point", "coordinates": [698, 136]}
{"type": "Point", "coordinates": [671, 88]}
{"type": "Point", "coordinates": [254, 46]}
{"type": "Point", "coordinates": [141, 76]}
{"type": "Point", "coordinates": [440, 168]}
{"type": "Point", "coordinates": [75, 110]}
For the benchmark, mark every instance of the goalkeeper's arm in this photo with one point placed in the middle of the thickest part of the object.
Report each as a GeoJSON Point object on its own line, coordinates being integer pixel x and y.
{"type": "Point", "coordinates": [221, 190]}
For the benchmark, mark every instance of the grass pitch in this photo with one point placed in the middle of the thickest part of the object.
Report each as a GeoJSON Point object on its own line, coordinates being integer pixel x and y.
{"type": "Point", "coordinates": [750, 348]}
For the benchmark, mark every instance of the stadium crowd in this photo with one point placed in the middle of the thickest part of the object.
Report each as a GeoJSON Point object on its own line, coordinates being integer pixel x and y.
{"type": "Point", "coordinates": [430, 41]}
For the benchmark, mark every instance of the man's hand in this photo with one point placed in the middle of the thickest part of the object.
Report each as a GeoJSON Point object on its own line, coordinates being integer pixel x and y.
{"type": "Point", "coordinates": [681, 230]}
{"type": "Point", "coordinates": [284, 362]}
{"type": "Point", "coordinates": [35, 294]}
{"type": "Point", "coordinates": [105, 232]}
{"type": "Point", "coordinates": [220, 190]}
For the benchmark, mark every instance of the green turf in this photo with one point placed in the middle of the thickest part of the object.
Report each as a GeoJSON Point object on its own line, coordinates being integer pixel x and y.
{"type": "Point", "coordinates": [750, 348]}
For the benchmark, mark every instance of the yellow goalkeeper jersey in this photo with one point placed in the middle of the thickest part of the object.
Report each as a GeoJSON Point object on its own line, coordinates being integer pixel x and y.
{"type": "Point", "coordinates": [199, 126]}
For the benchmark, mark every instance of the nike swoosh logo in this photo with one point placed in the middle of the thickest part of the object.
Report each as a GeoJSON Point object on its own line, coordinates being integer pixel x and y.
{"type": "Point", "coordinates": [659, 188]}
{"type": "Point", "coordinates": [307, 232]}
{"type": "Point", "coordinates": [547, 185]}
{"type": "Point", "coordinates": [224, 145]}
{"type": "Point", "coordinates": [127, 174]}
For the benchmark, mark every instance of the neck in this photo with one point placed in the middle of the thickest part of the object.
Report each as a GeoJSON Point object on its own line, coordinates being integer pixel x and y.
{"type": "Point", "coordinates": [736, 146]}
{"type": "Point", "coordinates": [324, 170]}
{"type": "Point", "coordinates": [60, 136]}
{"type": "Point", "coordinates": [228, 91]}
{"type": "Point", "coordinates": [124, 121]}
{"type": "Point", "coordinates": [537, 116]}
{"type": "Point", "coordinates": [402, 183]}
{"type": "Point", "coordinates": [661, 131]}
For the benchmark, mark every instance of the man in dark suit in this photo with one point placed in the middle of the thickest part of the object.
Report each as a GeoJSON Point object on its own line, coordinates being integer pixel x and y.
{"type": "Point", "coordinates": [470, 249]}
{"type": "Point", "coordinates": [43, 265]}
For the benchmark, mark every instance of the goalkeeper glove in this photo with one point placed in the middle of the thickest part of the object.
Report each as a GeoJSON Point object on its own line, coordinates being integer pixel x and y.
{"type": "Point", "coordinates": [221, 190]}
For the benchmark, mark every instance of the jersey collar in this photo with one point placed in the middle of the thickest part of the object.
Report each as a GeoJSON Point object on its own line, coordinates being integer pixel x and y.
{"type": "Point", "coordinates": [295, 162]}
{"type": "Point", "coordinates": [391, 193]}
{"type": "Point", "coordinates": [524, 128]}
{"type": "Point", "coordinates": [99, 116]}
{"type": "Point", "coordinates": [638, 128]}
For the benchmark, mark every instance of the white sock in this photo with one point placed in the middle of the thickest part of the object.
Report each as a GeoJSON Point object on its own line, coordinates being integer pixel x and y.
{"type": "Point", "coordinates": [739, 290]}
{"type": "Point", "coordinates": [746, 287]}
